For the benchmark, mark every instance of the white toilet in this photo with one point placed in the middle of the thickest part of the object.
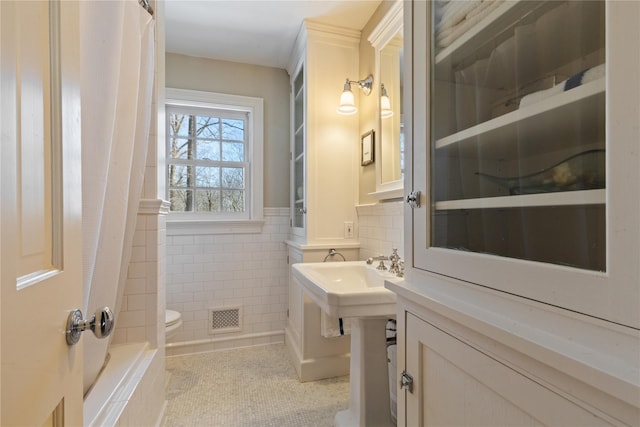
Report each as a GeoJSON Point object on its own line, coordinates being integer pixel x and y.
{"type": "Point", "coordinates": [172, 322]}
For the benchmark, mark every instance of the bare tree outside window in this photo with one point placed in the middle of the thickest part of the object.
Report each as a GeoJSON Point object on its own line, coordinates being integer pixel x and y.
{"type": "Point", "coordinates": [207, 162]}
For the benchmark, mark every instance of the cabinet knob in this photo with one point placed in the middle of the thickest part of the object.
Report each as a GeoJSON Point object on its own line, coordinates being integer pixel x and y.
{"type": "Point", "coordinates": [413, 199]}
{"type": "Point", "coordinates": [406, 381]}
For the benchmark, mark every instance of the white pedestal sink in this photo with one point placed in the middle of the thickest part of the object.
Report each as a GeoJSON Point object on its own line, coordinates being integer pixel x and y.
{"type": "Point", "coordinates": [355, 290]}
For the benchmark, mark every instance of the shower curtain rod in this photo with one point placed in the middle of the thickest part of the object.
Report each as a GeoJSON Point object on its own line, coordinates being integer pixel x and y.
{"type": "Point", "coordinates": [145, 4]}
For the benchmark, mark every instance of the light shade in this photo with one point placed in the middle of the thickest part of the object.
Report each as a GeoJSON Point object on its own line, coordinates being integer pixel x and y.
{"type": "Point", "coordinates": [385, 104]}
{"type": "Point", "coordinates": [347, 102]}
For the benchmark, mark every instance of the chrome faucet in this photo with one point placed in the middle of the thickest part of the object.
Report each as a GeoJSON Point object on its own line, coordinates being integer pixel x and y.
{"type": "Point", "coordinates": [401, 268]}
{"type": "Point", "coordinates": [395, 262]}
{"type": "Point", "coordinates": [380, 258]}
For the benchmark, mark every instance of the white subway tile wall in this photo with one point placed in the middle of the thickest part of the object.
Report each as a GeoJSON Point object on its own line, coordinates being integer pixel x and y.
{"type": "Point", "coordinates": [381, 229]}
{"type": "Point", "coordinates": [230, 270]}
{"type": "Point", "coordinates": [141, 317]}
{"type": "Point", "coordinates": [250, 270]}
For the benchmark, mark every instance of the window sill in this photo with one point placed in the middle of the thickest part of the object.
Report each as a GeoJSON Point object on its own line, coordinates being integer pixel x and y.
{"type": "Point", "coordinates": [188, 227]}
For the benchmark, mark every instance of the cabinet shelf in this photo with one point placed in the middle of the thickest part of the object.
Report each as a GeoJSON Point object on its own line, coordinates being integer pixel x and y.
{"type": "Point", "coordinates": [560, 198]}
{"type": "Point", "coordinates": [503, 17]}
{"type": "Point", "coordinates": [544, 126]}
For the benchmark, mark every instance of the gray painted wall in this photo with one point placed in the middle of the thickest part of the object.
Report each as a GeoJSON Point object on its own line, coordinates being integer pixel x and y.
{"type": "Point", "coordinates": [271, 84]}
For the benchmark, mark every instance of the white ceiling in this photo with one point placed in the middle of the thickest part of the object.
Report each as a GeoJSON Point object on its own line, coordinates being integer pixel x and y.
{"type": "Point", "coordinates": [260, 32]}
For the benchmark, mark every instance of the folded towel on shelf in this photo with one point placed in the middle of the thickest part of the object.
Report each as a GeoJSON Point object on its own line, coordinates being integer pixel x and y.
{"type": "Point", "coordinates": [438, 10]}
{"type": "Point", "coordinates": [578, 79]}
{"type": "Point", "coordinates": [451, 32]}
{"type": "Point", "coordinates": [331, 326]}
{"type": "Point", "coordinates": [541, 95]}
{"type": "Point", "coordinates": [455, 11]}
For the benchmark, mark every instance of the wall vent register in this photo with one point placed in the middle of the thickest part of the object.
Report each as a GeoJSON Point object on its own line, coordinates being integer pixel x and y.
{"type": "Point", "coordinates": [227, 319]}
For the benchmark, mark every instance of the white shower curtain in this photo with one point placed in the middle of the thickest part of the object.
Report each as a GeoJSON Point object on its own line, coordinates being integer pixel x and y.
{"type": "Point", "coordinates": [117, 80]}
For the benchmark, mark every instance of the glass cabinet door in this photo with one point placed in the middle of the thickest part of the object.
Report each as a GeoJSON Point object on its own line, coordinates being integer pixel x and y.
{"type": "Point", "coordinates": [518, 132]}
{"type": "Point", "coordinates": [515, 171]}
{"type": "Point", "coordinates": [298, 151]}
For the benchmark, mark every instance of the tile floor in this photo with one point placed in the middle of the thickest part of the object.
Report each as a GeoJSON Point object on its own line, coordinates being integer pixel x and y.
{"type": "Point", "coordinates": [249, 387]}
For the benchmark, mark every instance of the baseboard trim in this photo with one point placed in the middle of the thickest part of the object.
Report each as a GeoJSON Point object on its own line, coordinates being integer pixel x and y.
{"type": "Point", "coordinates": [318, 368]}
{"type": "Point", "coordinates": [224, 343]}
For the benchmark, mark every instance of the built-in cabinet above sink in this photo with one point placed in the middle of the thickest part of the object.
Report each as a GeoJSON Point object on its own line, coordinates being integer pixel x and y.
{"type": "Point", "coordinates": [324, 184]}
{"type": "Point", "coordinates": [324, 149]}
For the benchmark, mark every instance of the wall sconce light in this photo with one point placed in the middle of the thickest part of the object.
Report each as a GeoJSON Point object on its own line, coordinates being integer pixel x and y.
{"type": "Point", "coordinates": [347, 102]}
{"type": "Point", "coordinates": [385, 103]}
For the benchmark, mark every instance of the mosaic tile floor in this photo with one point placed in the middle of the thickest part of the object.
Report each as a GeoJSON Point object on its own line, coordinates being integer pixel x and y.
{"type": "Point", "coordinates": [250, 387]}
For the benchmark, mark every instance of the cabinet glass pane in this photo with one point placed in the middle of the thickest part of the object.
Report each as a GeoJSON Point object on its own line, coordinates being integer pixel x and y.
{"type": "Point", "coordinates": [298, 148]}
{"type": "Point", "coordinates": [298, 180]}
{"type": "Point", "coordinates": [298, 151]}
{"type": "Point", "coordinates": [298, 93]}
{"type": "Point", "coordinates": [299, 81]}
{"type": "Point", "coordinates": [517, 130]}
{"type": "Point", "coordinates": [298, 216]}
{"type": "Point", "coordinates": [565, 235]}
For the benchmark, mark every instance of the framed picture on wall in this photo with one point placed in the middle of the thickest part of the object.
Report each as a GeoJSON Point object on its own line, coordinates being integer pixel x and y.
{"type": "Point", "coordinates": [367, 143]}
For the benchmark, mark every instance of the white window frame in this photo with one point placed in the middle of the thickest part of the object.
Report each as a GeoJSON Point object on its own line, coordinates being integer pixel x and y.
{"type": "Point", "coordinates": [252, 219]}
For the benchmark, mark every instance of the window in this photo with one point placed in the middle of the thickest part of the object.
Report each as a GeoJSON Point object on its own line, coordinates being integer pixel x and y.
{"type": "Point", "coordinates": [214, 156]}
{"type": "Point", "coordinates": [207, 160]}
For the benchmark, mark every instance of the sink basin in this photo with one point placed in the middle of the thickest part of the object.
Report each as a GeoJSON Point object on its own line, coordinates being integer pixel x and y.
{"type": "Point", "coordinates": [347, 289]}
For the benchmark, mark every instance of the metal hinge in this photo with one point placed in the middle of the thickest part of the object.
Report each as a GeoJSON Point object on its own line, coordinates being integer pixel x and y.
{"type": "Point", "coordinates": [413, 199]}
{"type": "Point", "coordinates": [406, 380]}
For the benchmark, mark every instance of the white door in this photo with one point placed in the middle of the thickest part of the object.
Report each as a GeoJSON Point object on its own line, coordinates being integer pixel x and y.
{"type": "Point", "coordinates": [41, 213]}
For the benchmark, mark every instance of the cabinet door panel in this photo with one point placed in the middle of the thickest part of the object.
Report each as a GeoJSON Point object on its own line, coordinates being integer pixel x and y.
{"type": "Point", "coordinates": [295, 301]}
{"type": "Point", "coordinates": [524, 144]}
{"type": "Point", "coordinates": [457, 384]}
{"type": "Point", "coordinates": [298, 185]}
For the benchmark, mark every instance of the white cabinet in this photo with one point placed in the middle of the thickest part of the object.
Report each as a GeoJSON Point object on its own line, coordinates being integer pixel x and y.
{"type": "Point", "coordinates": [324, 184]}
{"type": "Point", "coordinates": [462, 382]}
{"type": "Point", "coordinates": [313, 355]}
{"type": "Point", "coordinates": [478, 357]}
{"type": "Point", "coordinates": [324, 145]}
{"type": "Point", "coordinates": [521, 303]}
{"type": "Point", "coordinates": [525, 144]}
